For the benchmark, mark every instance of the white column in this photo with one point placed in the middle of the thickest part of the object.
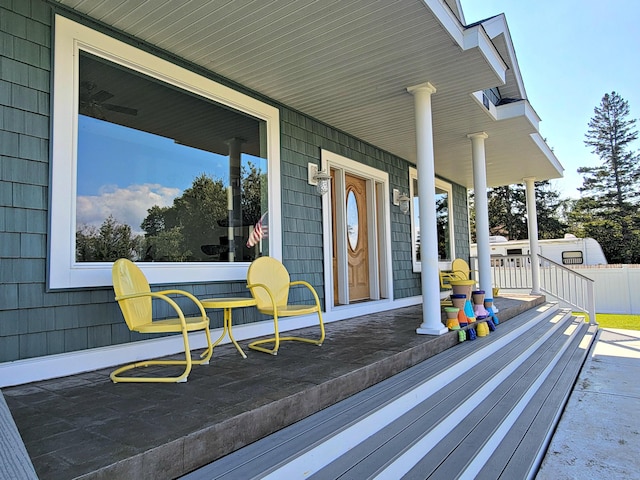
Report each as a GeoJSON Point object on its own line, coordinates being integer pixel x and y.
{"type": "Point", "coordinates": [532, 220]}
{"type": "Point", "coordinates": [431, 312]}
{"type": "Point", "coordinates": [482, 210]}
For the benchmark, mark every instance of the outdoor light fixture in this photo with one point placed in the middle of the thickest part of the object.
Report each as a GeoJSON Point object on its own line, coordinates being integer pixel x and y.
{"type": "Point", "coordinates": [319, 178]}
{"type": "Point", "coordinates": [401, 200]}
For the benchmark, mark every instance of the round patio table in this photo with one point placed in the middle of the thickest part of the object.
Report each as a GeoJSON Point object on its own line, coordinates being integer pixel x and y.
{"type": "Point", "coordinates": [228, 304]}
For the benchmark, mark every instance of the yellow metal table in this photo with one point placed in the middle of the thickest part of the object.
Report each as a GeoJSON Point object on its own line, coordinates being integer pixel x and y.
{"type": "Point", "coordinates": [228, 304]}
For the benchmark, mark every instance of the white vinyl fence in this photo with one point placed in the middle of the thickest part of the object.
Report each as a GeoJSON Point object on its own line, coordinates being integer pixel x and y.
{"type": "Point", "coordinates": [617, 287]}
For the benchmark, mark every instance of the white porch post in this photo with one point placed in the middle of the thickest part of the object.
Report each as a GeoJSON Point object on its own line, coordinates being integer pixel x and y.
{"type": "Point", "coordinates": [431, 314]}
{"type": "Point", "coordinates": [532, 221]}
{"type": "Point", "coordinates": [482, 210]}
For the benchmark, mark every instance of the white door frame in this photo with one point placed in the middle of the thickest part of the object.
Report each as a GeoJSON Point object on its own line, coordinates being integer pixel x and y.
{"type": "Point", "coordinates": [378, 235]}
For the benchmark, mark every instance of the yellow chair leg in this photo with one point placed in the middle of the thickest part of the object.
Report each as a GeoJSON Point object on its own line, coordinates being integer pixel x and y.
{"type": "Point", "coordinates": [277, 339]}
{"type": "Point", "coordinates": [187, 362]}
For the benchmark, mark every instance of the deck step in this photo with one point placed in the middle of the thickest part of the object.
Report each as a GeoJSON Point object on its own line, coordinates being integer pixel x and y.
{"type": "Point", "coordinates": [434, 418]}
{"type": "Point", "coordinates": [534, 428]}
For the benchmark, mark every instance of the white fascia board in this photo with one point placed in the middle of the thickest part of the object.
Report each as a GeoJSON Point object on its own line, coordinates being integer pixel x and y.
{"type": "Point", "coordinates": [509, 111]}
{"type": "Point", "coordinates": [476, 37]}
{"type": "Point", "coordinates": [448, 20]}
{"type": "Point", "coordinates": [496, 26]}
{"type": "Point", "coordinates": [546, 150]}
{"type": "Point", "coordinates": [461, 13]}
{"type": "Point", "coordinates": [467, 38]}
{"type": "Point", "coordinates": [519, 109]}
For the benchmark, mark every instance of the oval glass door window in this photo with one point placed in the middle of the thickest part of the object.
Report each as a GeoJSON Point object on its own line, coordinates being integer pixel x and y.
{"type": "Point", "coordinates": [352, 220]}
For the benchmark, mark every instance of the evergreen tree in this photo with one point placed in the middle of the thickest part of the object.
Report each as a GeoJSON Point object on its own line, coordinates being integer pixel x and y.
{"type": "Point", "coordinates": [608, 209]}
{"type": "Point", "coordinates": [614, 183]}
{"type": "Point", "coordinates": [508, 212]}
{"type": "Point", "coordinates": [111, 241]}
{"type": "Point", "coordinates": [549, 208]}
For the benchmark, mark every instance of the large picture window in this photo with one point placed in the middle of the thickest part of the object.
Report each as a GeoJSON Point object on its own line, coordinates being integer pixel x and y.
{"type": "Point", "coordinates": [167, 168]}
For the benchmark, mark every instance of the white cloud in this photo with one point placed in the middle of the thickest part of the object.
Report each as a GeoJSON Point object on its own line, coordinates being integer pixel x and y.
{"type": "Point", "coordinates": [127, 205]}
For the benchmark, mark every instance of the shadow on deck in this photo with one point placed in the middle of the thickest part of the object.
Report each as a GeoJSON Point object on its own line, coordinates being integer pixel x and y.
{"type": "Point", "coordinates": [85, 426]}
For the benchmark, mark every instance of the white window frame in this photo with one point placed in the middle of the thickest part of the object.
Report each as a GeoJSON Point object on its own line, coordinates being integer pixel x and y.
{"type": "Point", "coordinates": [63, 270]}
{"type": "Point", "coordinates": [442, 185]}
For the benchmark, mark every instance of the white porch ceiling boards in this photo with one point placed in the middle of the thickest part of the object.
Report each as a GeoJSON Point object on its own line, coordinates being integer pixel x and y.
{"type": "Point", "coordinates": [348, 64]}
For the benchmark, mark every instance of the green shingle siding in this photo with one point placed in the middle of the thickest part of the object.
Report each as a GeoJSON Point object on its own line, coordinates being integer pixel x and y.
{"type": "Point", "coordinates": [75, 339]}
{"type": "Point", "coordinates": [15, 72]}
{"type": "Point", "coordinates": [9, 348]}
{"type": "Point", "coordinates": [9, 245]}
{"type": "Point", "coordinates": [39, 320]}
{"type": "Point", "coordinates": [55, 342]}
{"type": "Point", "coordinates": [5, 92]}
{"type": "Point", "coordinates": [13, 23]}
{"type": "Point", "coordinates": [29, 196]}
{"type": "Point", "coordinates": [9, 144]}
{"type": "Point", "coordinates": [8, 295]}
{"type": "Point", "coordinates": [99, 336]}
{"type": "Point", "coordinates": [6, 44]}
{"type": "Point", "coordinates": [33, 345]}
{"type": "Point", "coordinates": [21, 7]}
{"type": "Point", "coordinates": [34, 322]}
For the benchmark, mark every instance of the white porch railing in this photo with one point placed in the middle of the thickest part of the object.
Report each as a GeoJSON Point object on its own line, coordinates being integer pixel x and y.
{"type": "Point", "coordinates": [513, 272]}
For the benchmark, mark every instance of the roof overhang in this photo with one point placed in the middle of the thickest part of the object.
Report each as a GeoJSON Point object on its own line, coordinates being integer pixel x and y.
{"type": "Point", "coordinates": [348, 64]}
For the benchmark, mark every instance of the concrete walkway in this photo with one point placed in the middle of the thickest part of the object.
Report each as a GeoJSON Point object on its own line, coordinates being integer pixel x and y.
{"type": "Point", "coordinates": [598, 436]}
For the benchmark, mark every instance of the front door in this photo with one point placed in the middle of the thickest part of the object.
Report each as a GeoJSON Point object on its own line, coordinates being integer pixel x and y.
{"type": "Point", "coordinates": [357, 234]}
{"type": "Point", "coordinates": [356, 223]}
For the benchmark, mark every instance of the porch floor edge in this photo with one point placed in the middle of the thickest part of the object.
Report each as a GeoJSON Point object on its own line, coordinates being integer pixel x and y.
{"type": "Point", "coordinates": [87, 427]}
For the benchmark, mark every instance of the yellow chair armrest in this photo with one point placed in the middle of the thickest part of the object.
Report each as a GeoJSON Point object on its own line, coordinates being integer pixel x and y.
{"type": "Point", "coordinates": [310, 287]}
{"type": "Point", "coordinates": [188, 295]}
{"type": "Point", "coordinates": [266, 289]}
{"type": "Point", "coordinates": [161, 296]}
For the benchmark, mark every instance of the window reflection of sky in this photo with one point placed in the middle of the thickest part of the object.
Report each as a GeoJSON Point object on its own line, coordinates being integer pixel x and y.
{"type": "Point", "coordinates": [123, 172]}
{"type": "Point", "coordinates": [352, 220]}
{"type": "Point", "coordinates": [110, 154]}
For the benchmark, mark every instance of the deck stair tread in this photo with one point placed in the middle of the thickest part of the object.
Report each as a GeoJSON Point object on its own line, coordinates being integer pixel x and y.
{"type": "Point", "coordinates": [475, 438]}
{"type": "Point", "coordinates": [491, 391]}
{"type": "Point", "coordinates": [534, 427]}
{"type": "Point", "coordinates": [447, 405]}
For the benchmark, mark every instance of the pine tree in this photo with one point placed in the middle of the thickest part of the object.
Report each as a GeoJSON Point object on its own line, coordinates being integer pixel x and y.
{"type": "Point", "coordinates": [608, 208]}
{"type": "Point", "coordinates": [614, 183]}
{"type": "Point", "coordinates": [508, 212]}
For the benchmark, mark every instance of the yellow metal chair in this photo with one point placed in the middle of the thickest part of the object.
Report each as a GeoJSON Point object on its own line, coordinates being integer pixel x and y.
{"type": "Point", "coordinates": [461, 268]}
{"type": "Point", "coordinates": [134, 296]}
{"type": "Point", "coordinates": [269, 282]}
{"type": "Point", "coordinates": [445, 279]}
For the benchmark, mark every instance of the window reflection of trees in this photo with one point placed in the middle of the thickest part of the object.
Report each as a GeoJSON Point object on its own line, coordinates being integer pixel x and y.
{"type": "Point", "coordinates": [442, 221]}
{"type": "Point", "coordinates": [136, 126]}
{"type": "Point", "coordinates": [194, 228]}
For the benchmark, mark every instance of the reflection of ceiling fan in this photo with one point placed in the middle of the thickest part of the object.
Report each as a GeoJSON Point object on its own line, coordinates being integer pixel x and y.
{"type": "Point", "coordinates": [93, 104]}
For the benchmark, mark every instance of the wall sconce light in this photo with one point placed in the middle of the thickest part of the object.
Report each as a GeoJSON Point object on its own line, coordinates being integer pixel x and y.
{"type": "Point", "coordinates": [319, 178]}
{"type": "Point", "coordinates": [401, 200]}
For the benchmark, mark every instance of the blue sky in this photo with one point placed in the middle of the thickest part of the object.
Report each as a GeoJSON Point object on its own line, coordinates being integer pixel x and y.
{"type": "Point", "coordinates": [570, 54]}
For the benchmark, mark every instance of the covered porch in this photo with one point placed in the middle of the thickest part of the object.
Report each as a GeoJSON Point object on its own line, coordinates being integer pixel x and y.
{"type": "Point", "coordinates": [84, 426]}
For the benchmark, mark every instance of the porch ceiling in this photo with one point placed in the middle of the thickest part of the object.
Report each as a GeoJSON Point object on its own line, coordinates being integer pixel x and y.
{"type": "Point", "coordinates": [348, 64]}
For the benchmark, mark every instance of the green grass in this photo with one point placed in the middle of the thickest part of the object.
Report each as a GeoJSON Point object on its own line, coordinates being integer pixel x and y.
{"type": "Point", "coordinates": [610, 320]}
